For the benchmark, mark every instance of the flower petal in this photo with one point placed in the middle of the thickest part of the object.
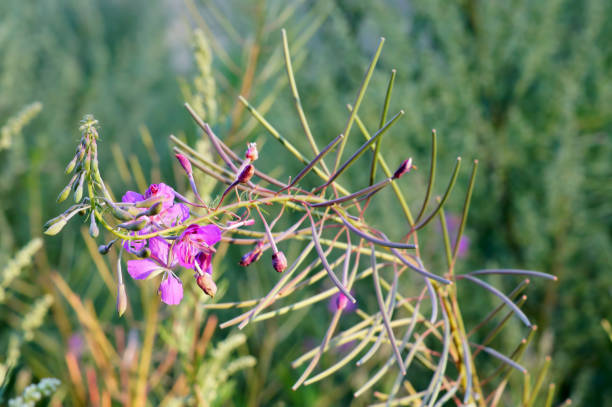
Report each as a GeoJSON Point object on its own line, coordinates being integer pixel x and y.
{"type": "Point", "coordinates": [141, 269]}
{"type": "Point", "coordinates": [171, 290]}
{"type": "Point", "coordinates": [210, 233]}
{"type": "Point", "coordinates": [131, 196]}
{"type": "Point", "coordinates": [161, 190]}
{"type": "Point", "coordinates": [159, 248]}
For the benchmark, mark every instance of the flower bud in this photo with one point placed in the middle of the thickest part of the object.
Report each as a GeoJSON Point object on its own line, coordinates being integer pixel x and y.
{"type": "Point", "coordinates": [78, 192]}
{"type": "Point", "coordinates": [55, 225]}
{"type": "Point", "coordinates": [155, 209]}
{"type": "Point", "coordinates": [88, 162]}
{"type": "Point", "coordinates": [133, 225]}
{"type": "Point", "coordinates": [279, 261]}
{"type": "Point", "coordinates": [405, 167]}
{"type": "Point", "coordinates": [246, 174]}
{"type": "Point", "coordinates": [64, 194]}
{"type": "Point", "coordinates": [121, 299]}
{"type": "Point", "coordinates": [251, 152]}
{"type": "Point", "coordinates": [71, 165]}
{"type": "Point", "coordinates": [206, 283]}
{"type": "Point", "coordinates": [94, 231]}
{"type": "Point", "coordinates": [119, 213]}
{"type": "Point", "coordinates": [342, 301]}
{"type": "Point", "coordinates": [184, 163]}
{"type": "Point", "coordinates": [143, 253]}
{"type": "Point", "coordinates": [252, 256]}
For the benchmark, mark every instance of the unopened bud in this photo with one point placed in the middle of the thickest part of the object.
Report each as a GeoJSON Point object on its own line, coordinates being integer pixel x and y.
{"type": "Point", "coordinates": [133, 225]}
{"type": "Point", "coordinates": [64, 194]}
{"type": "Point", "coordinates": [252, 256]}
{"type": "Point", "coordinates": [155, 209]}
{"type": "Point", "coordinates": [94, 231]}
{"type": "Point", "coordinates": [279, 261]}
{"type": "Point", "coordinates": [71, 165]}
{"type": "Point", "coordinates": [78, 192]}
{"type": "Point", "coordinates": [246, 174]}
{"type": "Point", "coordinates": [143, 253]}
{"type": "Point", "coordinates": [121, 299]}
{"type": "Point", "coordinates": [88, 162]}
{"type": "Point", "coordinates": [206, 283]}
{"type": "Point", "coordinates": [184, 163]}
{"type": "Point", "coordinates": [405, 167]}
{"type": "Point", "coordinates": [55, 225]}
{"type": "Point", "coordinates": [342, 301]}
{"type": "Point", "coordinates": [251, 152]}
{"type": "Point", "coordinates": [119, 213]}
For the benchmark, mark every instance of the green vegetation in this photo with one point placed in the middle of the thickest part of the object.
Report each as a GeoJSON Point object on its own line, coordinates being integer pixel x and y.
{"type": "Point", "coordinates": [522, 86]}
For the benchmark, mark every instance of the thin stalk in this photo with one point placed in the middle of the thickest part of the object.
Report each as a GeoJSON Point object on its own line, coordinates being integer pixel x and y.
{"type": "Point", "coordinates": [371, 239]}
{"type": "Point", "coordinates": [296, 98]}
{"type": "Point", "coordinates": [500, 295]}
{"type": "Point", "coordinates": [311, 164]}
{"type": "Point", "coordinates": [514, 272]}
{"type": "Point", "coordinates": [360, 94]}
{"type": "Point", "coordinates": [290, 147]}
{"type": "Point", "coordinates": [372, 189]}
{"type": "Point", "coordinates": [466, 209]}
{"type": "Point", "coordinates": [383, 119]}
{"type": "Point", "coordinates": [449, 188]}
{"type": "Point", "coordinates": [332, 276]}
{"type": "Point", "coordinates": [432, 174]}
{"type": "Point", "coordinates": [361, 150]}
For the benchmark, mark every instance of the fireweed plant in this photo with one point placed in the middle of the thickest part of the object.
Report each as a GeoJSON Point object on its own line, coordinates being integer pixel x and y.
{"type": "Point", "coordinates": [162, 233]}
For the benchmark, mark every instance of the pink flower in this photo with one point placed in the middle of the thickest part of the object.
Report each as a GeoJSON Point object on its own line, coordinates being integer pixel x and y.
{"type": "Point", "coordinates": [171, 289]}
{"type": "Point", "coordinates": [196, 245]}
{"type": "Point", "coordinates": [170, 214]}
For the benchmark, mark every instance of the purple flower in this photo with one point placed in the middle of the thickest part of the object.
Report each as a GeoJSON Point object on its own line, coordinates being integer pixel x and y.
{"type": "Point", "coordinates": [196, 245]}
{"type": "Point", "coordinates": [141, 269]}
{"type": "Point", "coordinates": [170, 214]}
{"type": "Point", "coordinates": [171, 289]}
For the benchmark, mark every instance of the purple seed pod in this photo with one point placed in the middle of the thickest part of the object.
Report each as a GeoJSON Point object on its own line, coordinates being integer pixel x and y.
{"type": "Point", "coordinates": [246, 174]}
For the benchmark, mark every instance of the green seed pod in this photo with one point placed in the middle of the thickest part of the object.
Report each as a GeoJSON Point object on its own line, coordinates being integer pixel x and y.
{"type": "Point", "coordinates": [64, 194]}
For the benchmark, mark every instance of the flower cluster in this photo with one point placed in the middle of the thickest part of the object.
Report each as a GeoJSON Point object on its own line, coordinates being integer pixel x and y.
{"type": "Point", "coordinates": [192, 249]}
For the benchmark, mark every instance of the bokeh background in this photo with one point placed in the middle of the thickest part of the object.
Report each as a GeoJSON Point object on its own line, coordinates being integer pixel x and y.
{"type": "Point", "coordinates": [524, 86]}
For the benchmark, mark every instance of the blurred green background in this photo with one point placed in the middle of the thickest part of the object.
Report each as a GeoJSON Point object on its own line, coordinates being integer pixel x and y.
{"type": "Point", "coordinates": [523, 86]}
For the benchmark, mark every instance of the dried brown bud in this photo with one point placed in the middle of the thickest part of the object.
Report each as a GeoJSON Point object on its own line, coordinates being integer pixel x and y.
{"type": "Point", "coordinates": [251, 152]}
{"type": "Point", "coordinates": [246, 174]}
{"type": "Point", "coordinates": [279, 261]}
{"type": "Point", "coordinates": [206, 283]}
{"type": "Point", "coordinates": [405, 167]}
{"type": "Point", "coordinates": [184, 163]}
